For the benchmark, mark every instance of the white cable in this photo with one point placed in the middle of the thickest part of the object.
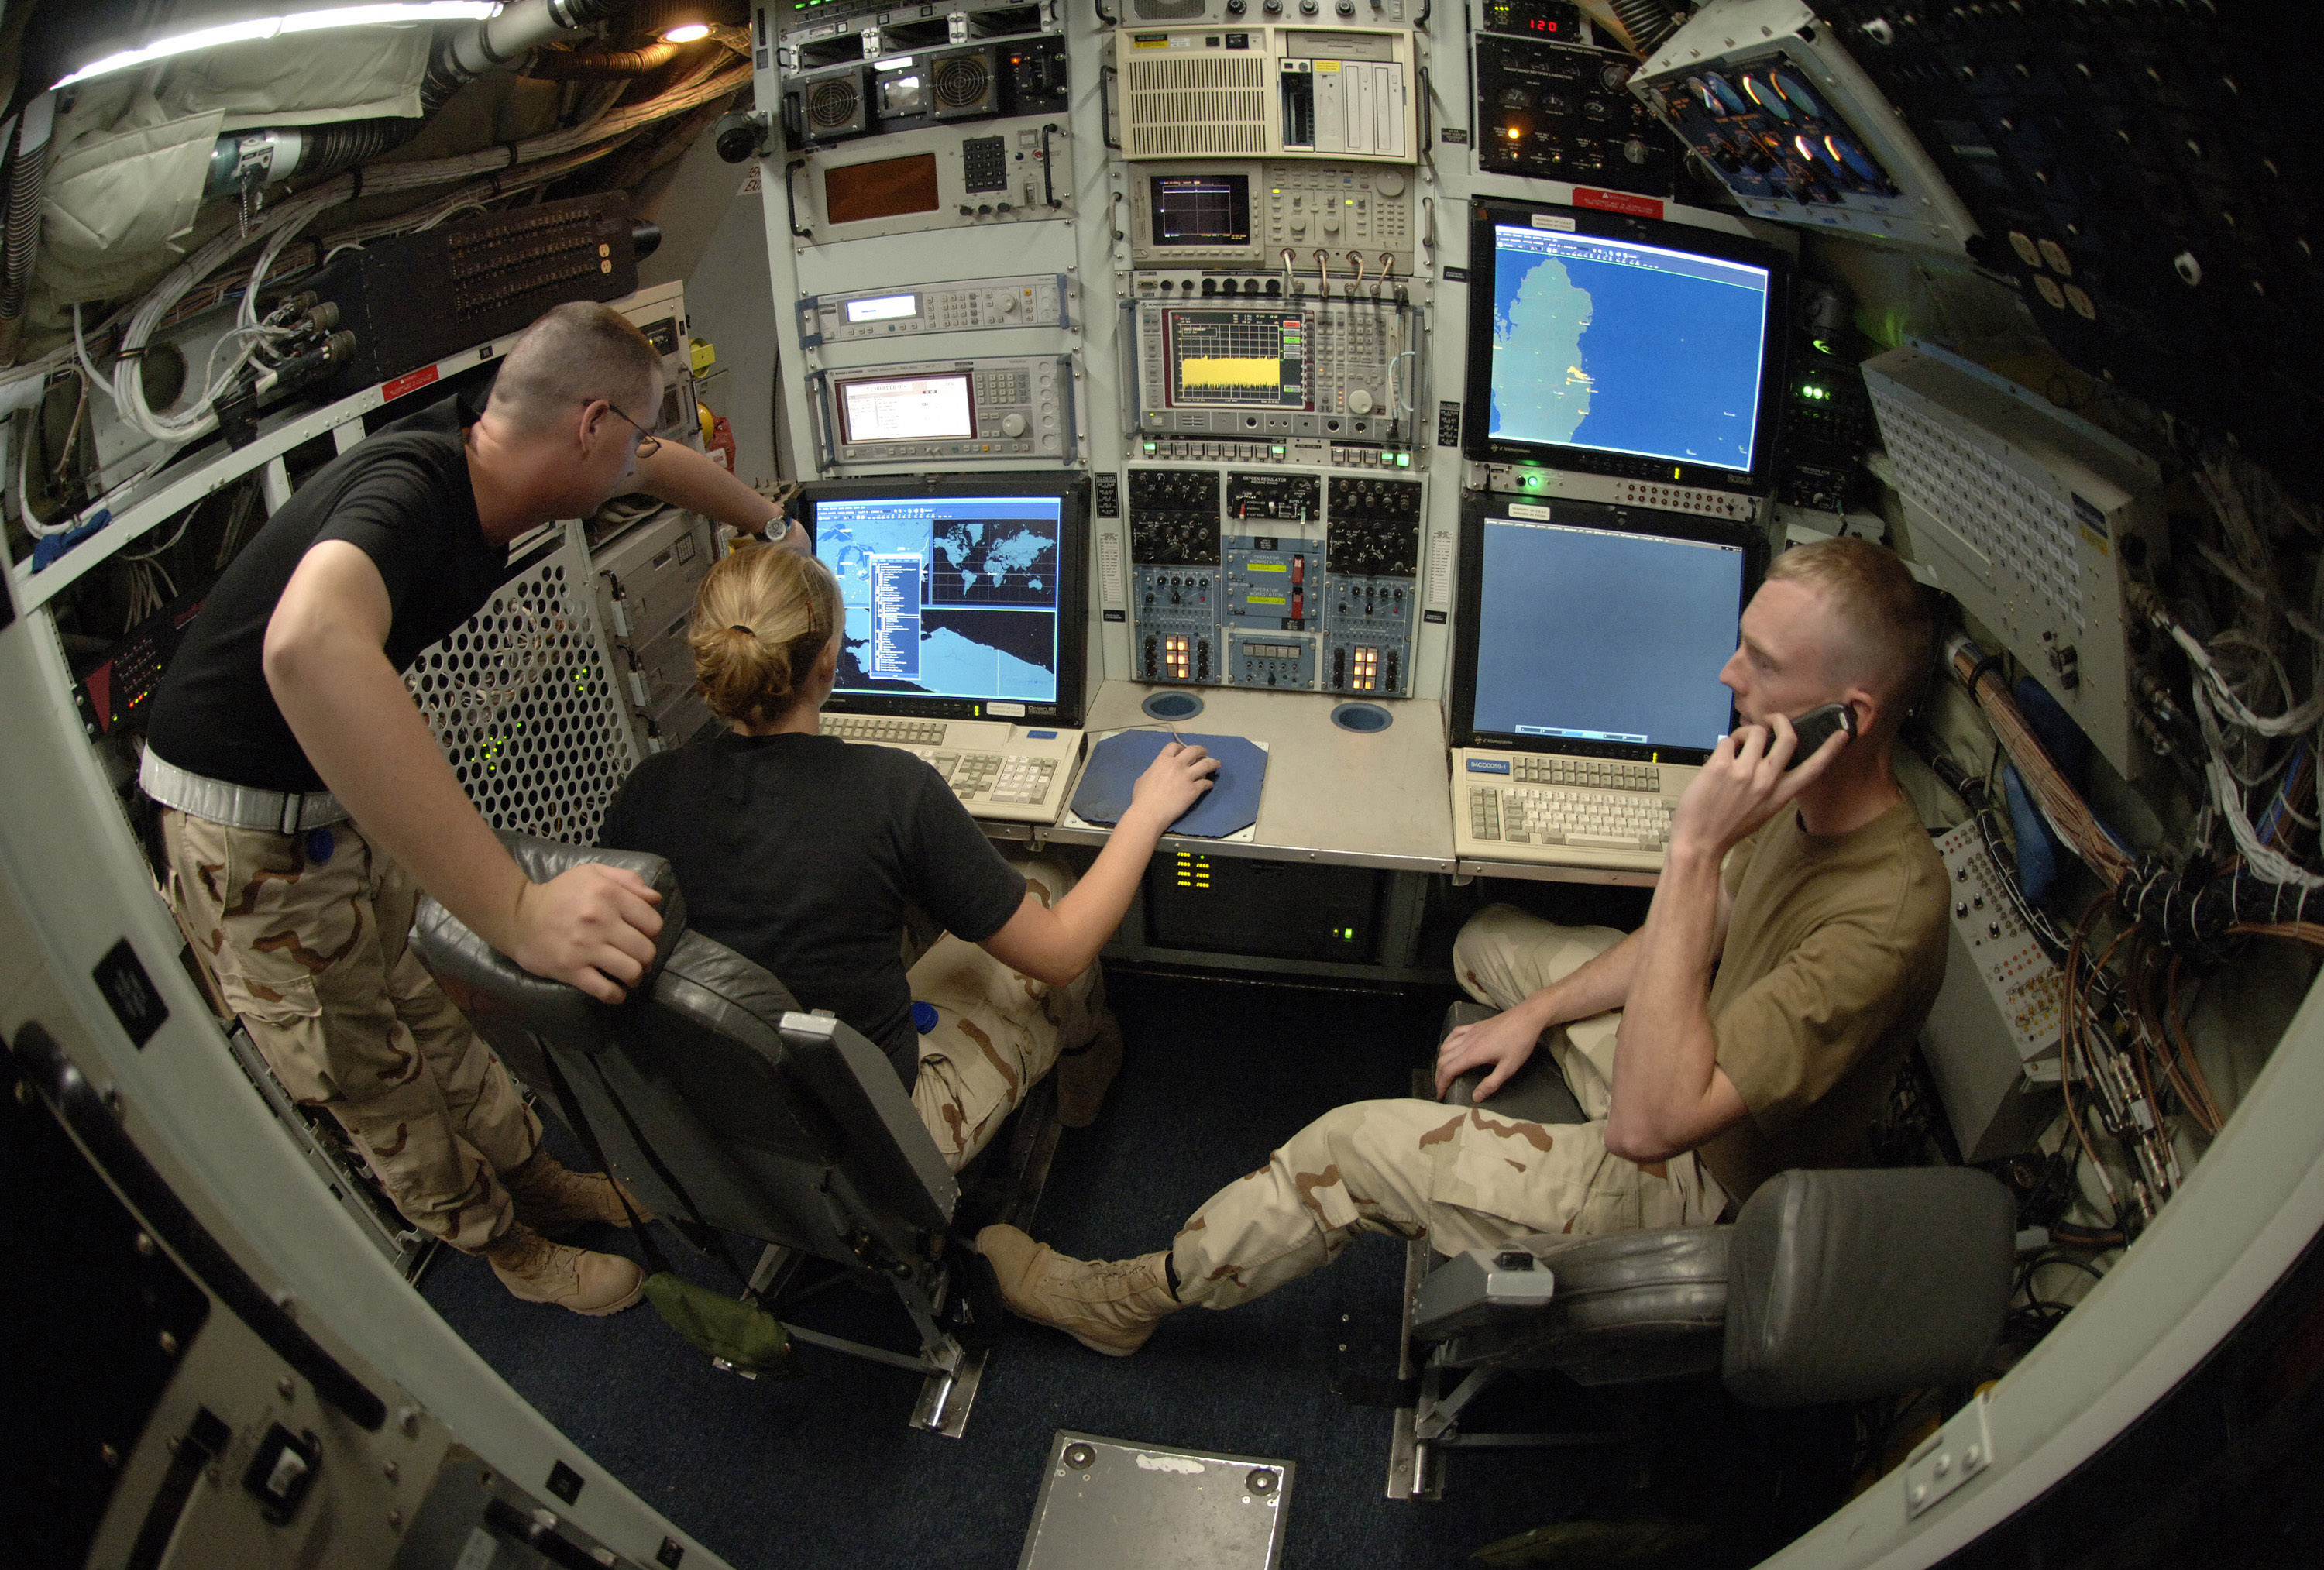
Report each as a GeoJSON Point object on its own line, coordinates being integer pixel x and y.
{"type": "Point", "coordinates": [2233, 574]}
{"type": "Point", "coordinates": [89, 370]}
{"type": "Point", "coordinates": [2268, 865]}
{"type": "Point", "coordinates": [2208, 673]}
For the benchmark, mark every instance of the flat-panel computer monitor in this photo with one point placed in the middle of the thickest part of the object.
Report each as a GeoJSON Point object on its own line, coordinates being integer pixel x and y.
{"type": "Point", "coordinates": [963, 597]}
{"type": "Point", "coordinates": [1610, 344]}
{"type": "Point", "coordinates": [1597, 630]}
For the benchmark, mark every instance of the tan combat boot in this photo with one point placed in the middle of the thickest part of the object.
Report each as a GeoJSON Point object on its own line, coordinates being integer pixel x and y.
{"type": "Point", "coordinates": [1109, 1305]}
{"type": "Point", "coordinates": [536, 1270]}
{"type": "Point", "coordinates": [1085, 1074]}
{"type": "Point", "coordinates": [553, 1199]}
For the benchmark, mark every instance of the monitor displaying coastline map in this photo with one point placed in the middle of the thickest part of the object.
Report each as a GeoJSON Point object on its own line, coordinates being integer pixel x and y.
{"type": "Point", "coordinates": [949, 597]}
{"type": "Point", "coordinates": [1618, 346]}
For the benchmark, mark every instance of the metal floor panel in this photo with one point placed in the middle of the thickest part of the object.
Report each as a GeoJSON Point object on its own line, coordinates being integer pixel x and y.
{"type": "Point", "coordinates": [1117, 1505]}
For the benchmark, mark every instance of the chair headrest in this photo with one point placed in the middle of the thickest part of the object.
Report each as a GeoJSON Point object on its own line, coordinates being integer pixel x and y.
{"type": "Point", "coordinates": [484, 983]}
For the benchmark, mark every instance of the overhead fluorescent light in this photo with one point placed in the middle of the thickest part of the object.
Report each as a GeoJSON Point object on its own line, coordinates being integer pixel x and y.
{"type": "Point", "coordinates": [381, 15]}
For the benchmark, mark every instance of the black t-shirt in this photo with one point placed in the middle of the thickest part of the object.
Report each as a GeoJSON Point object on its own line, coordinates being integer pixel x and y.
{"type": "Point", "coordinates": [800, 851]}
{"type": "Point", "coordinates": [403, 497]}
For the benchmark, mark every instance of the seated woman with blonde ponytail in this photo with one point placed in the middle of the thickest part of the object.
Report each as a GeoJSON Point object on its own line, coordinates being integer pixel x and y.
{"type": "Point", "coordinates": [854, 875]}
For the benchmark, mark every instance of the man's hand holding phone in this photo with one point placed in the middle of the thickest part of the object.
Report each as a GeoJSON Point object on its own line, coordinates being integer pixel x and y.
{"type": "Point", "coordinates": [1751, 774]}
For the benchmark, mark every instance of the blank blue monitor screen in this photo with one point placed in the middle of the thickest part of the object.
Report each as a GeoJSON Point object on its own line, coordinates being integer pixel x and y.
{"type": "Point", "coordinates": [1621, 347]}
{"type": "Point", "coordinates": [953, 597]}
{"type": "Point", "coordinates": [1593, 636]}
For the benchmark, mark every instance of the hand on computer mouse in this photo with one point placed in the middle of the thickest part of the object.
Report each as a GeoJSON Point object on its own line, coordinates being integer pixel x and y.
{"type": "Point", "coordinates": [1176, 780]}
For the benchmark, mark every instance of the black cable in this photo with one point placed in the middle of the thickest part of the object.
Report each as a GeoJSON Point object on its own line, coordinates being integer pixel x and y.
{"type": "Point", "coordinates": [1990, 664]}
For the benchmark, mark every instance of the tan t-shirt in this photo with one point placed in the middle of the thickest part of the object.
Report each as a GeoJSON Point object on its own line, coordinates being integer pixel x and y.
{"type": "Point", "coordinates": [1833, 957]}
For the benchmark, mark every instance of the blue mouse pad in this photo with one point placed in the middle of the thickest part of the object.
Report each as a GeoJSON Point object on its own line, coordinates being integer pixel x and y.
{"type": "Point", "coordinates": [1228, 807]}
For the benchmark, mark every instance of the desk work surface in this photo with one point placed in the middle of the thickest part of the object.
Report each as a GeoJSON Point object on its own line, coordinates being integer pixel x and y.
{"type": "Point", "coordinates": [1343, 798]}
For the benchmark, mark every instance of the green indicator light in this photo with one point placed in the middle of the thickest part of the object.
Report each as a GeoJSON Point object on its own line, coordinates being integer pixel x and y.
{"type": "Point", "coordinates": [1403, 460]}
{"type": "Point", "coordinates": [1277, 449]}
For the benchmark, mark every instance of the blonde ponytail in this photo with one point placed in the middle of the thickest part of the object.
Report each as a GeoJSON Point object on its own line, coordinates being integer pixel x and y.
{"type": "Point", "coordinates": [761, 618]}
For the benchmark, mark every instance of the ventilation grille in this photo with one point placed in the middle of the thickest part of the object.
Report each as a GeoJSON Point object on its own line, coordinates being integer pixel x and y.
{"type": "Point", "coordinates": [961, 82]}
{"type": "Point", "coordinates": [834, 103]}
{"type": "Point", "coordinates": [521, 701]}
{"type": "Point", "coordinates": [1190, 108]}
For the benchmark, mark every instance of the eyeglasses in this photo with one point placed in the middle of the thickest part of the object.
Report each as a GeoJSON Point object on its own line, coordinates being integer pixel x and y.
{"type": "Point", "coordinates": [649, 444]}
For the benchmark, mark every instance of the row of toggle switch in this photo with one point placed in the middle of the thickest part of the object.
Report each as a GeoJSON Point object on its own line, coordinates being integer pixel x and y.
{"type": "Point", "coordinates": [1306, 7]}
{"type": "Point", "coordinates": [1273, 453]}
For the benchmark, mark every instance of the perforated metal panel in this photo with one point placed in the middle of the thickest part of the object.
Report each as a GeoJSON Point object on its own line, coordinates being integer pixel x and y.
{"type": "Point", "coordinates": [521, 701]}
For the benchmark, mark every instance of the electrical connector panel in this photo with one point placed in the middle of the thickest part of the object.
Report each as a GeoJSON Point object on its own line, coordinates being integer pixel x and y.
{"type": "Point", "coordinates": [1998, 1011]}
{"type": "Point", "coordinates": [1778, 112]}
{"type": "Point", "coordinates": [2032, 519]}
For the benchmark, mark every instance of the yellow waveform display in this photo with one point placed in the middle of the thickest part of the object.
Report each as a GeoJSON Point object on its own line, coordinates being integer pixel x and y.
{"type": "Point", "coordinates": [1219, 372]}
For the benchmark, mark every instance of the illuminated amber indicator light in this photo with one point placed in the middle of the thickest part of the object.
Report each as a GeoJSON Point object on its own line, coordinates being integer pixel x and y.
{"type": "Point", "coordinates": [1194, 871]}
{"type": "Point", "coordinates": [1177, 655]}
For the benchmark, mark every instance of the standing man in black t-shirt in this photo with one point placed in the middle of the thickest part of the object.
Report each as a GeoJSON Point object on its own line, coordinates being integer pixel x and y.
{"type": "Point", "coordinates": [305, 804]}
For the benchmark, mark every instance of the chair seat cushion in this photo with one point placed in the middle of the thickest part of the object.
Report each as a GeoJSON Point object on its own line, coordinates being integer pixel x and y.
{"type": "Point", "coordinates": [1629, 1307]}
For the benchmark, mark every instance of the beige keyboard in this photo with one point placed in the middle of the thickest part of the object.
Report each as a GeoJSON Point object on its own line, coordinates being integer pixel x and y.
{"type": "Point", "coordinates": [1562, 811]}
{"type": "Point", "coordinates": [1013, 774]}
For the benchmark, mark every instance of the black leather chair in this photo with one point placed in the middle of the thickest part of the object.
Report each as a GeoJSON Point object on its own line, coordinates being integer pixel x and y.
{"type": "Point", "coordinates": [719, 1102]}
{"type": "Point", "coordinates": [1827, 1286]}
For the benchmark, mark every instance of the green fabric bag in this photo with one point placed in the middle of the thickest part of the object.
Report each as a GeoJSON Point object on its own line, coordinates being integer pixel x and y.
{"type": "Point", "coordinates": [745, 1337]}
{"type": "Point", "coordinates": [750, 1338]}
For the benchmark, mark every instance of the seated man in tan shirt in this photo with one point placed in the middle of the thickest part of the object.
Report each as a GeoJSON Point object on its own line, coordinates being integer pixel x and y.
{"type": "Point", "coordinates": [1826, 933]}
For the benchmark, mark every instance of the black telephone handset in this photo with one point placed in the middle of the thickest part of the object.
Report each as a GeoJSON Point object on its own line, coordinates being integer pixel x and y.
{"type": "Point", "coordinates": [1814, 729]}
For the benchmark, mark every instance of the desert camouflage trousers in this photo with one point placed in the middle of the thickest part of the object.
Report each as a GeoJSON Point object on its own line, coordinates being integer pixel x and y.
{"type": "Point", "coordinates": [307, 934]}
{"type": "Point", "coordinates": [996, 1032]}
{"type": "Point", "coordinates": [1458, 1177]}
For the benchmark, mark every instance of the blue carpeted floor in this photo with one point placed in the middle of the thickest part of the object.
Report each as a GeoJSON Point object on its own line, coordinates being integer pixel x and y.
{"type": "Point", "coordinates": [823, 1473]}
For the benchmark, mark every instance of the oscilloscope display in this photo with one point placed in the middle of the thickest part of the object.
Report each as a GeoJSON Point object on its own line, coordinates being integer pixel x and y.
{"type": "Point", "coordinates": [1237, 359]}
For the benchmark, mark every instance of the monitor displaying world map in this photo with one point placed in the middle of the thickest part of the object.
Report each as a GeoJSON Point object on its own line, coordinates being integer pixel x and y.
{"type": "Point", "coordinates": [952, 597]}
{"type": "Point", "coordinates": [1620, 347]}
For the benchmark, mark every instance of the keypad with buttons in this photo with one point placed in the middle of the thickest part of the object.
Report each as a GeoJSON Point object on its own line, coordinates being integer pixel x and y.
{"type": "Point", "coordinates": [1599, 772]}
{"type": "Point", "coordinates": [905, 733]}
{"type": "Point", "coordinates": [1522, 815]}
{"type": "Point", "coordinates": [975, 777]}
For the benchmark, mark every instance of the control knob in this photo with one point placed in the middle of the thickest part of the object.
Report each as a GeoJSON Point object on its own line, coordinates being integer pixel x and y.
{"type": "Point", "coordinates": [1235, 7]}
{"type": "Point", "coordinates": [1008, 304]}
{"type": "Point", "coordinates": [1346, 7]}
{"type": "Point", "coordinates": [1012, 424]}
{"type": "Point", "coordinates": [1307, 7]}
{"type": "Point", "coordinates": [1388, 182]}
{"type": "Point", "coordinates": [1360, 401]}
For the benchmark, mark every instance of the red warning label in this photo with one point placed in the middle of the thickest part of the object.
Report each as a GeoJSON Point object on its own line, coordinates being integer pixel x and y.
{"type": "Point", "coordinates": [1618, 202]}
{"type": "Point", "coordinates": [390, 391]}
